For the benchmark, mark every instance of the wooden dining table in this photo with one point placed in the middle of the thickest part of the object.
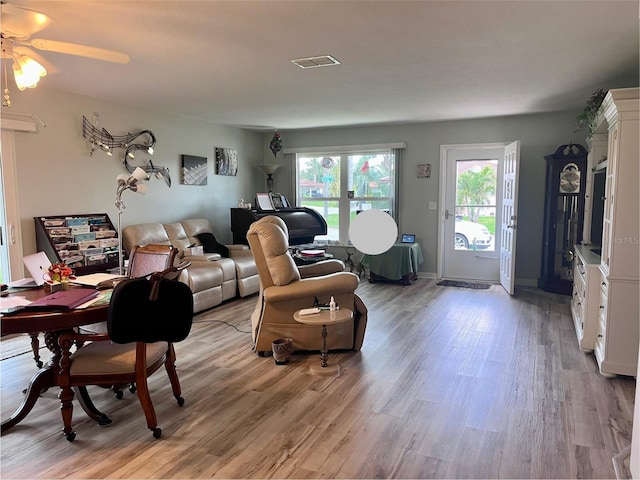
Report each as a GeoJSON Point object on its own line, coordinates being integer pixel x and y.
{"type": "Point", "coordinates": [51, 325]}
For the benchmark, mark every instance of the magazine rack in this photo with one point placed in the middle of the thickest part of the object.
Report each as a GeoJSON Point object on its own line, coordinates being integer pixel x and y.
{"type": "Point", "coordinates": [87, 243]}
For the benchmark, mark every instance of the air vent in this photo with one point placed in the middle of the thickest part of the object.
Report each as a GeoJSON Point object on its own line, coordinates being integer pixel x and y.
{"type": "Point", "coordinates": [312, 62]}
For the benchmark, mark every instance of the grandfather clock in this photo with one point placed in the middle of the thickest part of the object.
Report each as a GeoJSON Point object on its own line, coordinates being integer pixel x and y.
{"type": "Point", "coordinates": [563, 216]}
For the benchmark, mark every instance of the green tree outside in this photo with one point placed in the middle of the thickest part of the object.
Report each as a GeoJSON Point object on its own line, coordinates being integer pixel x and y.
{"type": "Point", "coordinates": [475, 189]}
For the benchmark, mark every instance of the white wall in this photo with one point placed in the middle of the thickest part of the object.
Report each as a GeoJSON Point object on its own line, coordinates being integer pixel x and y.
{"type": "Point", "coordinates": [56, 175]}
{"type": "Point", "coordinates": [539, 134]}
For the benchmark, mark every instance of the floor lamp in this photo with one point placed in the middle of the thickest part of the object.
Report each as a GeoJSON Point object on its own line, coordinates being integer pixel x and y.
{"type": "Point", "coordinates": [127, 182]}
{"type": "Point", "coordinates": [269, 170]}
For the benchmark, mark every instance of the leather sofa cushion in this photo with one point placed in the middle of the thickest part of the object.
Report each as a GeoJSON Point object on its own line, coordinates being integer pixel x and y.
{"type": "Point", "coordinates": [178, 237]}
{"type": "Point", "coordinates": [203, 275]}
{"type": "Point", "coordinates": [282, 270]}
{"type": "Point", "coordinates": [195, 226]}
{"type": "Point", "coordinates": [245, 267]}
{"type": "Point", "coordinates": [145, 234]}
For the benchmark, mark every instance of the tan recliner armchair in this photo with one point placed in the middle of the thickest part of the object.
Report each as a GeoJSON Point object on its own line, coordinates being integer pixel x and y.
{"type": "Point", "coordinates": [284, 291]}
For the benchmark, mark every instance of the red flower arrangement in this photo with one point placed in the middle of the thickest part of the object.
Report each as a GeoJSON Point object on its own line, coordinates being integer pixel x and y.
{"type": "Point", "coordinates": [60, 272]}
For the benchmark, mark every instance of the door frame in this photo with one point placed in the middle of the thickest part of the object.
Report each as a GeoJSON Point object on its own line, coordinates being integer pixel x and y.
{"type": "Point", "coordinates": [11, 229]}
{"type": "Point", "coordinates": [444, 149]}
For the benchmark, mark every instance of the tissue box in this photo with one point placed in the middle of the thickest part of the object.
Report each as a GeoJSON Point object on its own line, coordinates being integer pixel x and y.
{"type": "Point", "coordinates": [191, 251]}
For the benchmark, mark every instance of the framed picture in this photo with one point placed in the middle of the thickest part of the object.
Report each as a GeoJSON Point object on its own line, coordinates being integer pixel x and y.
{"type": "Point", "coordinates": [423, 171]}
{"type": "Point", "coordinates": [194, 170]}
{"type": "Point", "coordinates": [226, 161]}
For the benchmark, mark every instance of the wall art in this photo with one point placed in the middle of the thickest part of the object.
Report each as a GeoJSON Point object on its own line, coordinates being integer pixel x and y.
{"type": "Point", "coordinates": [194, 170]}
{"type": "Point", "coordinates": [226, 161]}
{"type": "Point", "coordinates": [139, 141]}
{"type": "Point", "coordinates": [423, 171]}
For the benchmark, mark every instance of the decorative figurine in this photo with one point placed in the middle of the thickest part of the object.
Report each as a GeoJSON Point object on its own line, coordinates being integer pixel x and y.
{"type": "Point", "coordinates": [276, 144]}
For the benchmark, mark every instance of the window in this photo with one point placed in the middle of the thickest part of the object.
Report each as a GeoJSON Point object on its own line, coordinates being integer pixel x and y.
{"type": "Point", "coordinates": [339, 185]}
{"type": "Point", "coordinates": [476, 186]}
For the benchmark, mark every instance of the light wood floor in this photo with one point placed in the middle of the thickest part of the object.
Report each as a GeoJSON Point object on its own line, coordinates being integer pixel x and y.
{"type": "Point", "coordinates": [451, 383]}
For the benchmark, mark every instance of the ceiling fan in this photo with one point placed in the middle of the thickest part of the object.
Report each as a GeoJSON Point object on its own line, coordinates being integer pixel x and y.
{"type": "Point", "coordinates": [18, 26]}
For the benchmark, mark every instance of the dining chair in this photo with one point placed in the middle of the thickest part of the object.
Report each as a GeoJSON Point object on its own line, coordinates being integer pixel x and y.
{"type": "Point", "coordinates": [143, 261]}
{"type": "Point", "coordinates": [145, 318]}
{"type": "Point", "coordinates": [146, 259]}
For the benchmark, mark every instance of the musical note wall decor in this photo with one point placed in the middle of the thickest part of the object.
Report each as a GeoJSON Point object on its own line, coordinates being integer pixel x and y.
{"type": "Point", "coordinates": [130, 143]}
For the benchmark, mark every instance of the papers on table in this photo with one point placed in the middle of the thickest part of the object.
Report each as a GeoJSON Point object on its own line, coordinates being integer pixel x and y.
{"type": "Point", "coordinates": [93, 279]}
{"type": "Point", "coordinates": [13, 301]}
{"type": "Point", "coordinates": [312, 253]}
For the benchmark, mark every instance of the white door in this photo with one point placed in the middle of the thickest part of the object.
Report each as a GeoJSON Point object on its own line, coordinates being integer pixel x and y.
{"type": "Point", "coordinates": [509, 228]}
{"type": "Point", "coordinates": [11, 244]}
{"type": "Point", "coordinates": [472, 223]}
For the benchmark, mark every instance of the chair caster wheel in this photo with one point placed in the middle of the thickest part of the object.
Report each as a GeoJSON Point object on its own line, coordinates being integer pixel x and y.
{"type": "Point", "coordinates": [180, 401]}
{"type": "Point", "coordinates": [104, 421]}
{"type": "Point", "coordinates": [71, 436]}
{"type": "Point", "coordinates": [132, 388]}
{"type": "Point", "coordinates": [119, 394]}
{"type": "Point", "coordinates": [157, 432]}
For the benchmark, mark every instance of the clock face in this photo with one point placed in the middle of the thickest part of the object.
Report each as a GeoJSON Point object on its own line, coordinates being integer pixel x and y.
{"type": "Point", "coordinates": [570, 179]}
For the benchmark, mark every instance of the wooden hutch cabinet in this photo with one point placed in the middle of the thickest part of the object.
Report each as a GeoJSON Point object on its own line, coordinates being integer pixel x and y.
{"type": "Point", "coordinates": [616, 214]}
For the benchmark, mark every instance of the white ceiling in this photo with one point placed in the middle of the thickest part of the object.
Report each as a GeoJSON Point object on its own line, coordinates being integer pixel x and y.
{"type": "Point", "coordinates": [229, 62]}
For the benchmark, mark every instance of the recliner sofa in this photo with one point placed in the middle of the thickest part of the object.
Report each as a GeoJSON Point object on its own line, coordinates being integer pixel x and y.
{"type": "Point", "coordinates": [211, 277]}
{"type": "Point", "coordinates": [284, 290]}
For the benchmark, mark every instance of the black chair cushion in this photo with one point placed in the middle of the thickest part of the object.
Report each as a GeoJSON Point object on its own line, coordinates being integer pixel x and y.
{"type": "Point", "coordinates": [211, 245]}
{"type": "Point", "coordinates": [133, 317]}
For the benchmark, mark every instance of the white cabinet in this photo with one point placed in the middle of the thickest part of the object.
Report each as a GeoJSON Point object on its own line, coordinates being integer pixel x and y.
{"type": "Point", "coordinates": [616, 346]}
{"type": "Point", "coordinates": [594, 190]}
{"type": "Point", "coordinates": [586, 296]}
{"type": "Point", "coordinates": [635, 437]}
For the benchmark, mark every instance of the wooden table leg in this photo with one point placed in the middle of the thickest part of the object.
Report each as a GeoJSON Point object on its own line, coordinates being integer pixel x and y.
{"type": "Point", "coordinates": [40, 381]}
{"type": "Point", "coordinates": [35, 347]}
{"type": "Point", "coordinates": [325, 368]}
{"type": "Point", "coordinates": [87, 405]}
{"type": "Point", "coordinates": [45, 379]}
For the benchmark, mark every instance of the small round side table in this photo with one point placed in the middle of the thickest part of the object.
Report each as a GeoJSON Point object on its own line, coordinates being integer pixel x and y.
{"type": "Point", "coordinates": [324, 318]}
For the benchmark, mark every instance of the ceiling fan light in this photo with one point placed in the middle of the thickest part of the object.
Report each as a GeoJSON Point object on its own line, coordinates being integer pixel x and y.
{"type": "Point", "coordinates": [27, 72]}
{"type": "Point", "coordinates": [22, 80]}
{"type": "Point", "coordinates": [31, 67]}
{"type": "Point", "coordinates": [40, 18]}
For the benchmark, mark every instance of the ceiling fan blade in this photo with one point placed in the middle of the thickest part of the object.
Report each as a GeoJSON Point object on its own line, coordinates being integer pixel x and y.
{"type": "Point", "coordinates": [80, 50]}
{"type": "Point", "coordinates": [19, 22]}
